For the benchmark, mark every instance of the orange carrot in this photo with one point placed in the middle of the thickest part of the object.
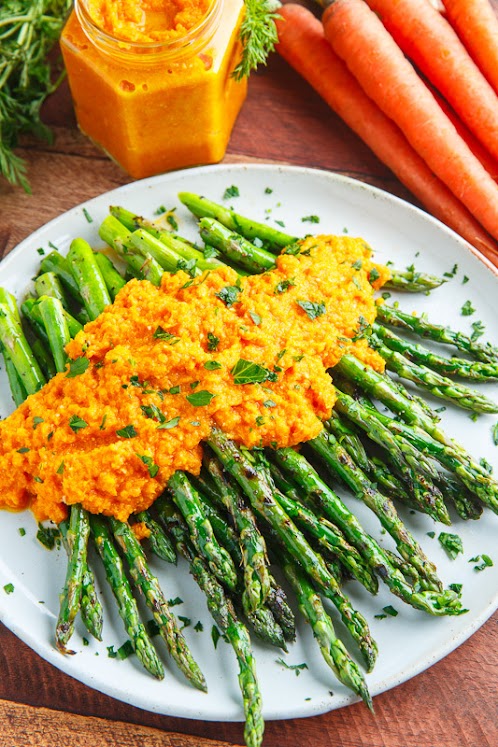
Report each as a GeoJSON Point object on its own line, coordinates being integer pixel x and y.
{"type": "Point", "coordinates": [302, 43]}
{"type": "Point", "coordinates": [476, 24]}
{"type": "Point", "coordinates": [359, 38]}
{"type": "Point", "coordinates": [434, 47]}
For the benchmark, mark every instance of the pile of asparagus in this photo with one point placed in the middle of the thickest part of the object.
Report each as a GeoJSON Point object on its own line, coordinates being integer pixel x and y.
{"type": "Point", "coordinates": [247, 509]}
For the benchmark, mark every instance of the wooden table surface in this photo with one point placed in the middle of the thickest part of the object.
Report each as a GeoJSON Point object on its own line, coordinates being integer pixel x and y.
{"type": "Point", "coordinates": [454, 703]}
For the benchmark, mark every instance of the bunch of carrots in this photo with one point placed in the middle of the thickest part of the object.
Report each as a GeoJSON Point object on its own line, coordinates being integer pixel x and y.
{"type": "Point", "coordinates": [420, 87]}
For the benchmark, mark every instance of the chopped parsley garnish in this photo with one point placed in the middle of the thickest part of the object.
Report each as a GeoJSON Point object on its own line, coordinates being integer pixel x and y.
{"type": "Point", "coordinates": [174, 390]}
{"type": "Point", "coordinates": [431, 534]}
{"type": "Point", "coordinates": [388, 611]}
{"type": "Point", "coordinates": [198, 627]}
{"type": "Point", "coordinates": [246, 372]}
{"type": "Point", "coordinates": [60, 468]}
{"type": "Point", "coordinates": [467, 309]}
{"type": "Point", "coordinates": [363, 329]}
{"type": "Point", "coordinates": [213, 342]}
{"type": "Point", "coordinates": [25, 449]}
{"type": "Point", "coordinates": [268, 191]}
{"type": "Point", "coordinates": [188, 266]}
{"type": "Point", "coordinates": [452, 273]}
{"type": "Point", "coordinates": [495, 434]}
{"type": "Point", "coordinates": [103, 422]}
{"type": "Point", "coordinates": [215, 635]}
{"type": "Point", "coordinates": [161, 334]}
{"type": "Point", "coordinates": [313, 310]}
{"type": "Point", "coordinates": [128, 431]}
{"type": "Point", "coordinates": [373, 275]}
{"type": "Point", "coordinates": [160, 210]}
{"type": "Point", "coordinates": [41, 251]}
{"type": "Point", "coordinates": [269, 403]}
{"type": "Point", "coordinates": [310, 219]}
{"type": "Point", "coordinates": [149, 463]}
{"type": "Point", "coordinates": [229, 295]}
{"type": "Point", "coordinates": [483, 561]}
{"type": "Point", "coordinates": [200, 399]}
{"type": "Point", "coordinates": [457, 588]}
{"type": "Point", "coordinates": [153, 412]}
{"type": "Point", "coordinates": [77, 424]}
{"type": "Point", "coordinates": [22, 531]}
{"type": "Point", "coordinates": [465, 280]}
{"type": "Point", "coordinates": [170, 218]}
{"type": "Point", "coordinates": [8, 588]}
{"type": "Point", "coordinates": [174, 602]}
{"type": "Point", "coordinates": [296, 668]}
{"type": "Point", "coordinates": [477, 330]}
{"type": "Point", "coordinates": [212, 365]}
{"type": "Point", "coordinates": [36, 422]}
{"type": "Point", "coordinates": [357, 265]}
{"type": "Point", "coordinates": [185, 620]}
{"type": "Point", "coordinates": [255, 317]}
{"type": "Point", "coordinates": [284, 285]}
{"type": "Point", "coordinates": [77, 367]}
{"type": "Point", "coordinates": [87, 215]}
{"type": "Point", "coordinates": [230, 192]}
{"type": "Point", "coordinates": [48, 536]}
{"type": "Point", "coordinates": [452, 543]}
{"type": "Point", "coordinates": [169, 424]}
{"type": "Point", "coordinates": [280, 223]}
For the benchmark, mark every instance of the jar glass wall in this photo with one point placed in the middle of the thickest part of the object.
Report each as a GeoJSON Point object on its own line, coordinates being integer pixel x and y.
{"type": "Point", "coordinates": [157, 106]}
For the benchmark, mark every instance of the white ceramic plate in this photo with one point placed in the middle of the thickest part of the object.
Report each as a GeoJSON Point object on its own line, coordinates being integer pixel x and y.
{"type": "Point", "coordinates": [408, 643]}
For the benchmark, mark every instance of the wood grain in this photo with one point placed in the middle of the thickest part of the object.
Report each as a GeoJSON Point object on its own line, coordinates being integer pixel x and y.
{"type": "Point", "coordinates": [454, 703]}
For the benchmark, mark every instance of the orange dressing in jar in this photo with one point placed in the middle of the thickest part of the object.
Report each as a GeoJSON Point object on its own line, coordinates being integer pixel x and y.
{"type": "Point", "coordinates": [151, 79]}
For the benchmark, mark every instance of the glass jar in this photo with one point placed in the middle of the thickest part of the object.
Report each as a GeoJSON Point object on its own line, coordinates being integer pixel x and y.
{"type": "Point", "coordinates": [157, 106]}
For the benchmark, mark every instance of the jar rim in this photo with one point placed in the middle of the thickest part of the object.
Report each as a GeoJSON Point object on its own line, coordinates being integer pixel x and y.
{"type": "Point", "coordinates": [177, 46]}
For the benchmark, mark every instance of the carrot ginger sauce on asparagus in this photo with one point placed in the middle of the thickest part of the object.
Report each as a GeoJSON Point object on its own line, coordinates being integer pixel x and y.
{"type": "Point", "coordinates": [156, 370]}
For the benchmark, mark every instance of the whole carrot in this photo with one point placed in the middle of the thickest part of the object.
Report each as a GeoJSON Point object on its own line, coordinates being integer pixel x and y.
{"type": "Point", "coordinates": [434, 47]}
{"type": "Point", "coordinates": [476, 24]}
{"type": "Point", "coordinates": [371, 54]}
{"type": "Point", "coordinates": [302, 43]}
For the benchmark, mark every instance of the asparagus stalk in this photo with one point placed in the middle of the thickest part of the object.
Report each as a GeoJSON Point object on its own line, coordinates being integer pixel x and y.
{"type": "Point", "coordinates": [58, 265]}
{"type": "Point", "coordinates": [49, 284]}
{"type": "Point", "coordinates": [87, 275]}
{"type": "Point", "coordinates": [159, 542]}
{"type": "Point", "coordinates": [331, 647]}
{"type": "Point", "coordinates": [235, 247]}
{"type": "Point", "coordinates": [112, 278]}
{"type": "Point", "coordinates": [273, 239]}
{"type": "Point", "coordinates": [77, 541]}
{"type": "Point", "coordinates": [201, 532]}
{"type": "Point", "coordinates": [127, 606]}
{"type": "Point", "coordinates": [476, 370]}
{"type": "Point", "coordinates": [18, 350]}
{"type": "Point", "coordinates": [252, 544]}
{"type": "Point", "coordinates": [349, 439]}
{"type": "Point", "coordinates": [148, 584]}
{"type": "Point", "coordinates": [412, 281]}
{"type": "Point", "coordinates": [52, 316]}
{"type": "Point", "coordinates": [258, 489]}
{"type": "Point", "coordinates": [340, 463]}
{"type": "Point", "coordinates": [433, 382]}
{"type": "Point", "coordinates": [435, 603]}
{"type": "Point", "coordinates": [422, 327]}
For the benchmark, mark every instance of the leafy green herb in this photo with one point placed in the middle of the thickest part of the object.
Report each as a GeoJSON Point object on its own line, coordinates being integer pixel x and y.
{"type": "Point", "coordinates": [229, 295]}
{"type": "Point", "coordinates": [313, 310]}
{"type": "Point", "coordinates": [125, 650]}
{"type": "Point", "coordinates": [477, 330]}
{"type": "Point", "coordinates": [212, 365]}
{"type": "Point", "coordinates": [296, 668]}
{"type": "Point", "coordinates": [215, 635]}
{"type": "Point", "coordinates": [41, 251]}
{"type": "Point", "coordinates": [280, 223]}
{"type": "Point", "coordinates": [111, 652]}
{"type": "Point", "coordinates": [483, 561]}
{"type": "Point", "coordinates": [255, 317]}
{"type": "Point", "coordinates": [87, 216]}
{"type": "Point", "coordinates": [153, 412]}
{"type": "Point", "coordinates": [128, 431]}
{"type": "Point", "coordinates": [258, 36]}
{"type": "Point", "coordinates": [22, 531]}
{"type": "Point", "coordinates": [77, 367]}
{"type": "Point", "coordinates": [77, 424]}
{"type": "Point", "coordinates": [495, 434]}
{"type": "Point", "coordinates": [230, 192]}
{"type": "Point", "coordinates": [160, 210]}
{"type": "Point", "coordinates": [247, 372]}
{"type": "Point", "coordinates": [452, 543]}
{"type": "Point", "coordinates": [169, 424]}
{"type": "Point", "coordinates": [268, 191]}
{"type": "Point", "coordinates": [29, 31]}
{"type": "Point", "coordinates": [149, 463]}
{"type": "Point", "coordinates": [389, 610]}
{"type": "Point", "coordinates": [431, 534]}
{"type": "Point", "coordinates": [198, 627]}
{"type": "Point", "coordinates": [36, 422]}
{"type": "Point", "coordinates": [452, 273]}
{"type": "Point", "coordinates": [48, 536]}
{"type": "Point", "coordinates": [23, 450]}
{"type": "Point", "coordinates": [310, 219]}
{"type": "Point", "coordinates": [269, 403]}
{"type": "Point", "coordinates": [465, 279]}
{"type": "Point", "coordinates": [170, 218]}
{"type": "Point", "coordinates": [284, 285]}
{"type": "Point", "coordinates": [467, 309]}
{"type": "Point", "coordinates": [103, 422]}
{"type": "Point", "coordinates": [363, 329]}
{"type": "Point", "coordinates": [213, 342]}
{"type": "Point", "coordinates": [175, 602]}
{"type": "Point", "coordinates": [8, 588]}
{"type": "Point", "coordinates": [60, 468]}
{"type": "Point", "coordinates": [174, 390]}
{"type": "Point", "coordinates": [373, 275]}
{"type": "Point", "coordinates": [457, 588]}
{"type": "Point", "coordinates": [161, 334]}
{"type": "Point", "coordinates": [185, 620]}
{"type": "Point", "coordinates": [357, 265]}
{"type": "Point", "coordinates": [200, 399]}
{"type": "Point", "coordinates": [85, 641]}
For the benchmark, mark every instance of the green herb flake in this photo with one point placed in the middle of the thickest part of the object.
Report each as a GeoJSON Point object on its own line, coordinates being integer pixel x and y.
{"type": "Point", "coordinates": [111, 652]}
{"type": "Point", "coordinates": [255, 317]}
{"type": "Point", "coordinates": [215, 635]}
{"type": "Point", "coordinates": [478, 329]}
{"type": "Point", "coordinates": [212, 365]}
{"type": "Point", "coordinates": [77, 424]}
{"type": "Point", "coordinates": [129, 431]}
{"type": "Point", "coordinates": [313, 310]}
{"type": "Point", "coordinates": [457, 588]}
{"type": "Point", "coordinates": [169, 424]}
{"type": "Point", "coordinates": [26, 449]}
{"type": "Point", "coordinates": [283, 286]}
{"type": "Point", "coordinates": [296, 668]}
{"type": "Point", "coordinates": [246, 372]}
{"type": "Point", "coordinates": [268, 191]}
{"type": "Point", "coordinates": [389, 610]}
{"type": "Point", "coordinates": [230, 192]}
{"type": "Point", "coordinates": [269, 403]}
{"type": "Point", "coordinates": [77, 367]}
{"type": "Point", "coordinates": [495, 433]}
{"type": "Point", "coordinates": [60, 468]}
{"type": "Point", "coordinates": [125, 650]}
{"type": "Point", "coordinates": [431, 534]}
{"type": "Point", "coordinates": [186, 621]}
{"type": "Point", "coordinates": [373, 275]}
{"type": "Point", "coordinates": [87, 216]}
{"type": "Point", "coordinates": [200, 399]}
{"type": "Point", "coordinates": [467, 309]}
{"type": "Point", "coordinates": [280, 223]}
{"type": "Point", "coordinates": [48, 536]}
{"type": "Point", "coordinates": [229, 295]}
{"type": "Point", "coordinates": [175, 602]}
{"type": "Point", "coordinates": [153, 413]}
{"type": "Point", "coordinates": [22, 531]}
{"type": "Point", "coordinates": [41, 251]}
{"type": "Point", "coordinates": [363, 329]}
{"type": "Point", "coordinates": [310, 219]}
{"type": "Point", "coordinates": [85, 641]}
{"type": "Point", "coordinates": [103, 422]}
{"type": "Point", "coordinates": [152, 468]}
{"type": "Point", "coordinates": [36, 422]}
{"type": "Point", "coordinates": [174, 390]}
{"type": "Point", "coordinates": [171, 220]}
{"type": "Point", "coordinates": [453, 272]}
{"type": "Point", "coordinates": [357, 265]}
{"type": "Point", "coordinates": [452, 543]}
{"type": "Point", "coordinates": [161, 334]}
{"type": "Point", "coordinates": [465, 280]}
{"type": "Point", "coordinates": [198, 627]}
{"type": "Point", "coordinates": [483, 561]}
{"type": "Point", "coordinates": [8, 588]}
{"type": "Point", "coordinates": [213, 342]}
{"type": "Point", "coordinates": [160, 210]}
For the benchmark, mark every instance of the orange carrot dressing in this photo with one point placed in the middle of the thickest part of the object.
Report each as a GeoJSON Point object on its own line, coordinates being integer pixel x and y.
{"type": "Point", "coordinates": [160, 370]}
